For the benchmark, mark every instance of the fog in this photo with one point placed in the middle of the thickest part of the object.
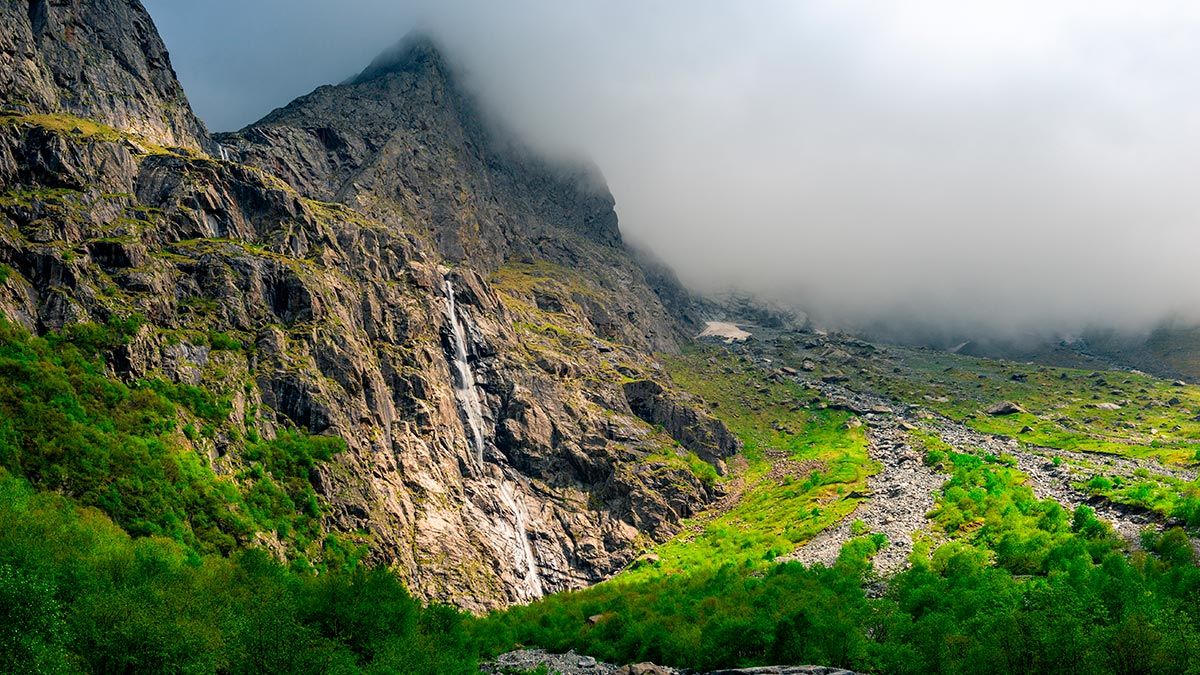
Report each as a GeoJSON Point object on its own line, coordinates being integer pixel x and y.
{"type": "Point", "coordinates": [1008, 167]}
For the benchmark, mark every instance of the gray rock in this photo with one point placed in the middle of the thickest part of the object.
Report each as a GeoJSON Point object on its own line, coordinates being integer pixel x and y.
{"type": "Point", "coordinates": [99, 59]}
{"type": "Point", "coordinates": [684, 420]}
{"type": "Point", "coordinates": [645, 668]}
{"type": "Point", "coordinates": [1005, 408]}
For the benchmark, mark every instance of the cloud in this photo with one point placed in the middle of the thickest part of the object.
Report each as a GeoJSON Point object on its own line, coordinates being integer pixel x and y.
{"type": "Point", "coordinates": [1009, 165]}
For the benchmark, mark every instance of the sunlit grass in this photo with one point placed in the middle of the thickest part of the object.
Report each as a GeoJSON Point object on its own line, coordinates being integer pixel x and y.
{"type": "Point", "coordinates": [777, 426]}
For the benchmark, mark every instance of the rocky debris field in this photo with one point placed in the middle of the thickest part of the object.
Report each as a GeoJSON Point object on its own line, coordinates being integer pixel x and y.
{"type": "Point", "coordinates": [1056, 481]}
{"type": "Point", "coordinates": [904, 490]}
{"type": "Point", "coordinates": [899, 497]}
{"type": "Point", "coordinates": [524, 660]}
{"type": "Point", "coordinates": [570, 663]}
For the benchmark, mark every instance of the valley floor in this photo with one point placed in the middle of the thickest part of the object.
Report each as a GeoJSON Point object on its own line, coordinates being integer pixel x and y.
{"type": "Point", "coordinates": [951, 514]}
{"type": "Point", "coordinates": [901, 485]}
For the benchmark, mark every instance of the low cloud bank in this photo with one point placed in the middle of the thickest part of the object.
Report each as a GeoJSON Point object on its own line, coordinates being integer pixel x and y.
{"type": "Point", "coordinates": [962, 167]}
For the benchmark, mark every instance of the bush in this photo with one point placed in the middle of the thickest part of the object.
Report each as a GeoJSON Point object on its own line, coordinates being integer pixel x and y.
{"type": "Point", "coordinates": [66, 425]}
{"type": "Point", "coordinates": [77, 593]}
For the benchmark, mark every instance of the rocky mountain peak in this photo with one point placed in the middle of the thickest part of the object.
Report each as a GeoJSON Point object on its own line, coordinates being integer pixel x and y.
{"type": "Point", "coordinates": [406, 119]}
{"type": "Point", "coordinates": [417, 52]}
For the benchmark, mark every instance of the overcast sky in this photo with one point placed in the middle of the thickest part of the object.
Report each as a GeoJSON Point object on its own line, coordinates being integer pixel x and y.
{"type": "Point", "coordinates": [1013, 164]}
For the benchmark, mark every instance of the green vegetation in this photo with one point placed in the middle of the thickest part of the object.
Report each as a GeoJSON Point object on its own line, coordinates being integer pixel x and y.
{"type": "Point", "coordinates": [1122, 413]}
{"type": "Point", "coordinates": [800, 469]}
{"type": "Point", "coordinates": [1085, 413]}
{"type": "Point", "coordinates": [67, 426]}
{"type": "Point", "coordinates": [83, 129]}
{"type": "Point", "coordinates": [676, 456]}
{"type": "Point", "coordinates": [1164, 495]}
{"type": "Point", "coordinates": [79, 594]}
{"type": "Point", "coordinates": [986, 504]}
{"type": "Point", "coordinates": [1020, 586]}
{"type": "Point", "coordinates": [936, 451]}
{"type": "Point", "coordinates": [524, 278]}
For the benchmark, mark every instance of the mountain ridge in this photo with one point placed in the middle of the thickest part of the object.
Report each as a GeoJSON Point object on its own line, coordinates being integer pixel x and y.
{"type": "Point", "coordinates": [335, 284]}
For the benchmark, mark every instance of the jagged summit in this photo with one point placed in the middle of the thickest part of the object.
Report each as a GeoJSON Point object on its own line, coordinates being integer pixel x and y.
{"type": "Point", "coordinates": [416, 51]}
{"type": "Point", "coordinates": [406, 119]}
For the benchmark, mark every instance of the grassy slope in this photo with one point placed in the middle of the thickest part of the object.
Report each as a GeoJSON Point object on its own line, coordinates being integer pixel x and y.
{"type": "Point", "coordinates": [1066, 409]}
{"type": "Point", "coordinates": [1020, 584]}
{"type": "Point", "coordinates": [1061, 403]}
{"type": "Point", "coordinates": [801, 467]}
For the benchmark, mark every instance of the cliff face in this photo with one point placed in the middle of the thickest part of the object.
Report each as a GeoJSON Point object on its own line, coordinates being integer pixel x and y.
{"type": "Point", "coordinates": [99, 59]}
{"type": "Point", "coordinates": [462, 313]}
{"type": "Point", "coordinates": [405, 144]}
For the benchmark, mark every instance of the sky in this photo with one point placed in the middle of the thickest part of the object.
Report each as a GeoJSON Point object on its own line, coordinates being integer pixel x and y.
{"type": "Point", "coordinates": [1011, 166]}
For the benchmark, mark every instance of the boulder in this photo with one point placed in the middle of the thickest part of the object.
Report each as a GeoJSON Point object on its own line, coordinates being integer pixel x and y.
{"type": "Point", "coordinates": [1005, 408]}
{"type": "Point", "coordinates": [645, 668]}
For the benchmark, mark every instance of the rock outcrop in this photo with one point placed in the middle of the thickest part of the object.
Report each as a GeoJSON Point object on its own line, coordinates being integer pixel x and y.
{"type": "Point", "coordinates": [308, 284]}
{"type": "Point", "coordinates": [684, 420]}
{"type": "Point", "coordinates": [1004, 408]}
{"type": "Point", "coordinates": [97, 59]}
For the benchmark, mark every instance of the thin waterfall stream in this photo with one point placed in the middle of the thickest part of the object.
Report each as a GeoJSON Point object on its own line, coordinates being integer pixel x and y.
{"type": "Point", "coordinates": [523, 554]}
{"type": "Point", "coordinates": [464, 377]}
{"type": "Point", "coordinates": [524, 558]}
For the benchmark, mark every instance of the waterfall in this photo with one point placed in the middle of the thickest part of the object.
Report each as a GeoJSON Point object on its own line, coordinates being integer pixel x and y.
{"type": "Point", "coordinates": [464, 379]}
{"type": "Point", "coordinates": [522, 553]}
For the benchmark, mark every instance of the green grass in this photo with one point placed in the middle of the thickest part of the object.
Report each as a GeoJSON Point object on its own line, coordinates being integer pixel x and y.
{"type": "Point", "coordinates": [1155, 420]}
{"type": "Point", "coordinates": [774, 514]}
{"type": "Point", "coordinates": [83, 129]}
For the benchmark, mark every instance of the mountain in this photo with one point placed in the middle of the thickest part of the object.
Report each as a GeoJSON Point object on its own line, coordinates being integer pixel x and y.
{"type": "Point", "coordinates": [373, 262]}
{"type": "Point", "coordinates": [258, 390]}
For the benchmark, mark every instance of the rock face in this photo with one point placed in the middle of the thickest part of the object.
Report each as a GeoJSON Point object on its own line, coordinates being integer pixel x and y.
{"type": "Point", "coordinates": [98, 59]}
{"type": "Point", "coordinates": [405, 144]}
{"type": "Point", "coordinates": [695, 429]}
{"type": "Point", "coordinates": [335, 283]}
